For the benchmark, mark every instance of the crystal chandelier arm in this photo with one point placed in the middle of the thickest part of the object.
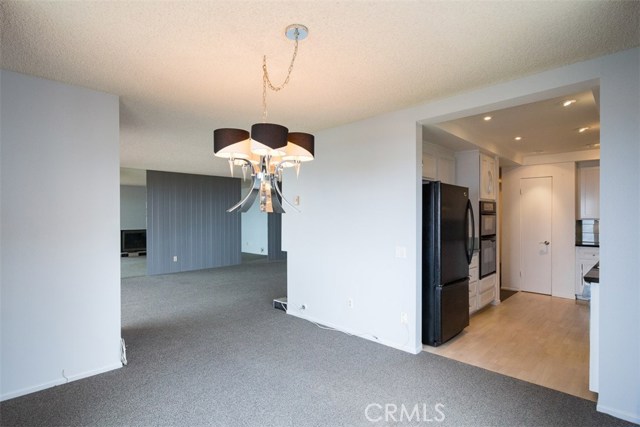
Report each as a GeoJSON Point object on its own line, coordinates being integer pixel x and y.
{"type": "Point", "coordinates": [278, 171]}
{"type": "Point", "coordinates": [245, 204]}
{"type": "Point", "coordinates": [285, 199]}
{"type": "Point", "coordinates": [276, 205]}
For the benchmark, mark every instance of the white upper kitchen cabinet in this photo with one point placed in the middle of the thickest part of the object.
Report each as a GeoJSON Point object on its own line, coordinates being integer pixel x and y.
{"type": "Point", "coordinates": [589, 192]}
{"type": "Point", "coordinates": [438, 163]}
{"type": "Point", "coordinates": [478, 172]}
{"type": "Point", "coordinates": [488, 178]}
{"type": "Point", "coordinates": [468, 175]}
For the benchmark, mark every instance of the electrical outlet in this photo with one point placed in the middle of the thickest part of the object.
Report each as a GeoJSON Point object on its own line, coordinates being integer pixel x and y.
{"type": "Point", "coordinates": [404, 318]}
{"type": "Point", "coordinates": [401, 252]}
{"type": "Point", "coordinates": [175, 258]}
{"type": "Point", "coordinates": [350, 302]}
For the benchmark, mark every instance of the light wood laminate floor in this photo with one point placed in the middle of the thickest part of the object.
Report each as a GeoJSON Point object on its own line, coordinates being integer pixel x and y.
{"type": "Point", "coordinates": [536, 338]}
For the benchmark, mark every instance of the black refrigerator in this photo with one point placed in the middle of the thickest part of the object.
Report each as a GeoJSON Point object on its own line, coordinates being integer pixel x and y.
{"type": "Point", "coordinates": [447, 247]}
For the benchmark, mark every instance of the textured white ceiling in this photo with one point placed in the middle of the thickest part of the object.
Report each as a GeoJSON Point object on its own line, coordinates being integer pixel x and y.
{"type": "Point", "coordinates": [185, 68]}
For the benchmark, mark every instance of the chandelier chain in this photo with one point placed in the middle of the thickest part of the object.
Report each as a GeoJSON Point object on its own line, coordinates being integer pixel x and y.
{"type": "Point", "coordinates": [266, 81]}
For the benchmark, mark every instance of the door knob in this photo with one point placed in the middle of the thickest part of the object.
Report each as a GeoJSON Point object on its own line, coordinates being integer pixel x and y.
{"type": "Point", "coordinates": [546, 242]}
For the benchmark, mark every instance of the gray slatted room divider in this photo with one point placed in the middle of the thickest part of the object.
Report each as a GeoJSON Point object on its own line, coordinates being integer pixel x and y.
{"type": "Point", "coordinates": [274, 237]}
{"type": "Point", "coordinates": [187, 219]}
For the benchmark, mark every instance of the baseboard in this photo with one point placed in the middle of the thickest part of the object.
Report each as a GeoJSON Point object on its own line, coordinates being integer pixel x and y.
{"type": "Point", "coordinates": [565, 296]}
{"type": "Point", "coordinates": [59, 381]}
{"type": "Point", "coordinates": [627, 416]}
{"type": "Point", "coordinates": [506, 288]}
{"type": "Point", "coordinates": [366, 335]}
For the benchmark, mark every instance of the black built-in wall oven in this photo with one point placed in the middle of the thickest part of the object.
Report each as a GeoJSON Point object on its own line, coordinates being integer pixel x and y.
{"type": "Point", "coordinates": [488, 227]}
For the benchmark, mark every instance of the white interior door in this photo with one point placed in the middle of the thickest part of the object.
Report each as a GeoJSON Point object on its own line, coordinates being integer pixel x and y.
{"type": "Point", "coordinates": [536, 196]}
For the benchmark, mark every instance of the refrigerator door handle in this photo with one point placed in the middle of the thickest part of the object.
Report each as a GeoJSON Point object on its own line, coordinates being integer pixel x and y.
{"type": "Point", "coordinates": [470, 242]}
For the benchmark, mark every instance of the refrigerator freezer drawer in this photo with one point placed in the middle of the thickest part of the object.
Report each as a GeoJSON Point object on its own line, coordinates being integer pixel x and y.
{"type": "Point", "coordinates": [454, 313]}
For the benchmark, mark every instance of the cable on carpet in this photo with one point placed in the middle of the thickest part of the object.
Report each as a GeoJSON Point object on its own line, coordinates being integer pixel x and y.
{"type": "Point", "coordinates": [329, 328]}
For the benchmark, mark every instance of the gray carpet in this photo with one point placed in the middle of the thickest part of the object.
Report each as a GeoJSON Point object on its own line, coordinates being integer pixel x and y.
{"type": "Point", "coordinates": [133, 266]}
{"type": "Point", "coordinates": [136, 266]}
{"type": "Point", "coordinates": [247, 257]}
{"type": "Point", "coordinates": [205, 348]}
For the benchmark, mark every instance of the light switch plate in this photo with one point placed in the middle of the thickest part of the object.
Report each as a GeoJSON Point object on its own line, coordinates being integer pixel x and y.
{"type": "Point", "coordinates": [401, 252]}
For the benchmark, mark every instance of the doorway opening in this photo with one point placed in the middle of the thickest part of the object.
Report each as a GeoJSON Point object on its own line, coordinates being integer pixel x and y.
{"type": "Point", "coordinates": [538, 146]}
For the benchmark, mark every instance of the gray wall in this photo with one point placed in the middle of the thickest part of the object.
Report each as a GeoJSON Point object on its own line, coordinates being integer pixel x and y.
{"type": "Point", "coordinates": [274, 231]}
{"type": "Point", "coordinates": [60, 262]}
{"type": "Point", "coordinates": [187, 219]}
{"type": "Point", "coordinates": [133, 207]}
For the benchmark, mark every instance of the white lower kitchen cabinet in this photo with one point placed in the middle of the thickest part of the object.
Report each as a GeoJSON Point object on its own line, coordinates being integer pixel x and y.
{"type": "Point", "coordinates": [481, 292]}
{"type": "Point", "coordinates": [473, 284]}
{"type": "Point", "coordinates": [586, 258]}
{"type": "Point", "coordinates": [473, 300]}
{"type": "Point", "coordinates": [486, 290]}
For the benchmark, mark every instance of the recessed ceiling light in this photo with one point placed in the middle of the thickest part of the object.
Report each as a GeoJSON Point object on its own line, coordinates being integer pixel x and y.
{"type": "Point", "coordinates": [581, 130]}
{"type": "Point", "coordinates": [568, 102]}
{"type": "Point", "coordinates": [487, 118]}
{"type": "Point", "coordinates": [518, 138]}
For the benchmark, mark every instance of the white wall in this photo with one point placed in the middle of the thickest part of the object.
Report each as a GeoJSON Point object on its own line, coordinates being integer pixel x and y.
{"type": "Point", "coordinates": [60, 281]}
{"type": "Point", "coordinates": [619, 232]}
{"type": "Point", "coordinates": [360, 200]}
{"type": "Point", "coordinates": [255, 236]}
{"type": "Point", "coordinates": [562, 225]}
{"type": "Point", "coordinates": [133, 207]}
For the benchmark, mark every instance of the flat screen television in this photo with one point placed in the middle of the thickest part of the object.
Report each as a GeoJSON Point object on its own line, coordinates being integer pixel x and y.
{"type": "Point", "coordinates": [133, 241]}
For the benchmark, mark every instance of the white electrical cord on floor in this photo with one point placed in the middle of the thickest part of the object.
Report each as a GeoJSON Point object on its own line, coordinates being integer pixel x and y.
{"type": "Point", "coordinates": [123, 352]}
{"type": "Point", "coordinates": [328, 328]}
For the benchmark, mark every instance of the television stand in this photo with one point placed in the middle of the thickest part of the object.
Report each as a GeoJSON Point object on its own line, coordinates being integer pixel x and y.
{"type": "Point", "coordinates": [133, 254]}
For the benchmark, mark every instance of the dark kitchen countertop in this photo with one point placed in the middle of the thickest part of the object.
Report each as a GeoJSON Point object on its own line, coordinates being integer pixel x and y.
{"type": "Point", "coordinates": [593, 275]}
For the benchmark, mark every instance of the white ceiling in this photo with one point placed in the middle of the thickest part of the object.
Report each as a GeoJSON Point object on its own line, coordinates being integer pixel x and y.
{"type": "Point", "coordinates": [185, 68]}
{"type": "Point", "coordinates": [546, 127]}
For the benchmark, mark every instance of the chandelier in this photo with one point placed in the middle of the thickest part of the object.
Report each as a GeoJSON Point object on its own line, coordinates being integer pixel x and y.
{"type": "Point", "coordinates": [268, 149]}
